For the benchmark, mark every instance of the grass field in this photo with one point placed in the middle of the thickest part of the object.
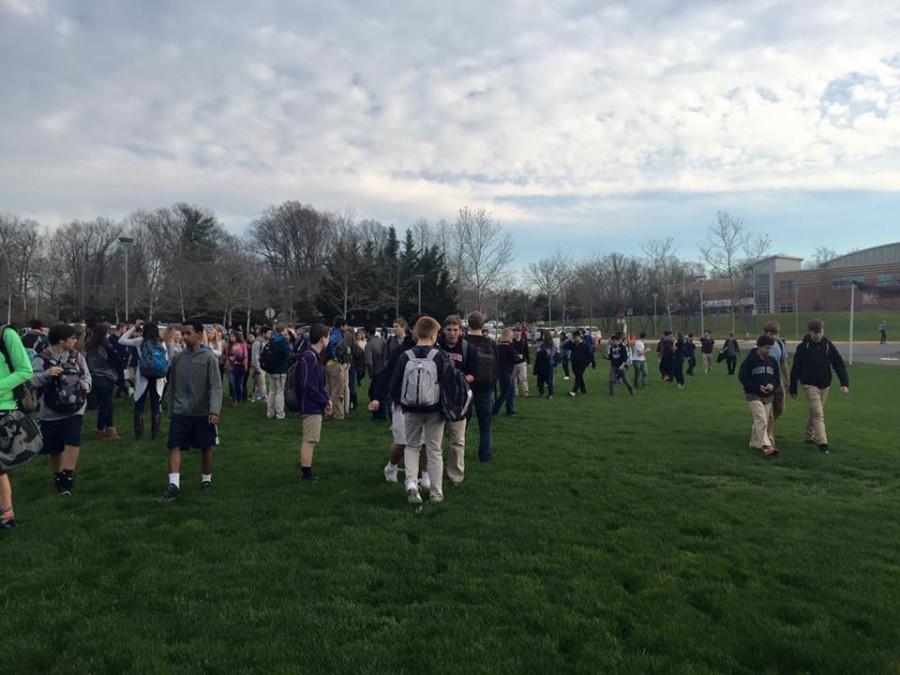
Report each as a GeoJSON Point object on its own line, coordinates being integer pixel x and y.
{"type": "Point", "coordinates": [624, 535]}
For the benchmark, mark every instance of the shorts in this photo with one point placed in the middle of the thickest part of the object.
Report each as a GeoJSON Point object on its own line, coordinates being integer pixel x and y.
{"type": "Point", "coordinates": [60, 433]}
{"type": "Point", "coordinates": [398, 426]}
{"type": "Point", "coordinates": [312, 429]}
{"type": "Point", "coordinates": [186, 432]}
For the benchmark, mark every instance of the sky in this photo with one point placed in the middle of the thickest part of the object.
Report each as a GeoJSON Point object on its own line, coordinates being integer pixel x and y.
{"type": "Point", "coordinates": [582, 126]}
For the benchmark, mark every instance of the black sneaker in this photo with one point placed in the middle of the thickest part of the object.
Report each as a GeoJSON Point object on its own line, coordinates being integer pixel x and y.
{"type": "Point", "coordinates": [205, 485]}
{"type": "Point", "coordinates": [63, 484]}
{"type": "Point", "coordinates": [823, 448]}
{"type": "Point", "coordinates": [9, 523]}
{"type": "Point", "coordinates": [172, 492]}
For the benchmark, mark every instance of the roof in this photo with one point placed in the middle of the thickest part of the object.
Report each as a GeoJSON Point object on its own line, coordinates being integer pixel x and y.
{"type": "Point", "coordinates": [871, 249]}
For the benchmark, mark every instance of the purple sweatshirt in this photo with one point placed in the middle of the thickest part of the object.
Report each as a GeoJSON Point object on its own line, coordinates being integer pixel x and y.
{"type": "Point", "coordinates": [311, 384]}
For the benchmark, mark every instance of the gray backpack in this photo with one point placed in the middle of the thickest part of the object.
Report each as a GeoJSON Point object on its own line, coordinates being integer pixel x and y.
{"type": "Point", "coordinates": [421, 388]}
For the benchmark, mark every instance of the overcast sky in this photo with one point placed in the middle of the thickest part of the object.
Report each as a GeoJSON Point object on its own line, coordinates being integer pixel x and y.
{"type": "Point", "coordinates": [582, 125]}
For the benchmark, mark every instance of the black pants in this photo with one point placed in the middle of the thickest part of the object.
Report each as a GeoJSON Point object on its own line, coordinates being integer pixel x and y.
{"type": "Point", "coordinates": [103, 389]}
{"type": "Point", "coordinates": [665, 368]}
{"type": "Point", "coordinates": [678, 369]}
{"type": "Point", "coordinates": [565, 365]}
{"type": "Point", "coordinates": [381, 413]}
{"type": "Point", "coordinates": [692, 363]}
{"type": "Point", "coordinates": [151, 393]}
{"type": "Point", "coordinates": [579, 379]}
{"type": "Point", "coordinates": [731, 361]}
{"type": "Point", "coordinates": [883, 337]}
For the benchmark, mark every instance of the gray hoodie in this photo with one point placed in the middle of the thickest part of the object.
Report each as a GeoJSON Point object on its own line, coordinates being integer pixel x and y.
{"type": "Point", "coordinates": [195, 383]}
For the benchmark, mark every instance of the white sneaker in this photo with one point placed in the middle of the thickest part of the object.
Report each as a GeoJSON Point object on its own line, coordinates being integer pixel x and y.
{"type": "Point", "coordinates": [390, 472]}
{"type": "Point", "coordinates": [571, 393]}
{"type": "Point", "coordinates": [566, 378]}
{"type": "Point", "coordinates": [425, 481]}
{"type": "Point", "coordinates": [412, 494]}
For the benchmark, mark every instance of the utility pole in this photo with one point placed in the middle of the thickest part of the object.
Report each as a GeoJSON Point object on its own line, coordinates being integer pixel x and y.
{"type": "Point", "coordinates": [700, 281]}
{"type": "Point", "coordinates": [796, 312]}
{"type": "Point", "coordinates": [125, 241]}
{"type": "Point", "coordinates": [655, 334]}
{"type": "Point", "coordinates": [419, 278]}
{"type": "Point", "coordinates": [852, 308]}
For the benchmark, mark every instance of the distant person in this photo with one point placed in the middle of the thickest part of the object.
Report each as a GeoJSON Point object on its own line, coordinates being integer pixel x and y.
{"type": "Point", "coordinates": [706, 349]}
{"type": "Point", "coordinates": [257, 374]}
{"type": "Point", "coordinates": [639, 361]}
{"type": "Point", "coordinates": [760, 377]}
{"type": "Point", "coordinates": [508, 357]}
{"type": "Point", "coordinates": [64, 382]}
{"type": "Point", "coordinates": [690, 353]}
{"type": "Point", "coordinates": [103, 362]}
{"type": "Point", "coordinates": [375, 360]}
{"type": "Point", "coordinates": [15, 371]}
{"type": "Point", "coordinates": [484, 383]}
{"type": "Point", "coordinates": [565, 349]}
{"type": "Point", "coordinates": [337, 366]}
{"type": "Point", "coordinates": [581, 356]}
{"type": "Point", "coordinates": [731, 350]}
{"type": "Point", "coordinates": [882, 328]}
{"type": "Point", "coordinates": [666, 351]}
{"type": "Point", "coordinates": [678, 360]}
{"type": "Point", "coordinates": [237, 356]}
{"type": "Point", "coordinates": [464, 357]}
{"type": "Point", "coordinates": [276, 367]}
{"type": "Point", "coordinates": [314, 401]}
{"type": "Point", "coordinates": [778, 351]}
{"type": "Point", "coordinates": [814, 360]}
{"type": "Point", "coordinates": [617, 355]}
{"type": "Point", "coordinates": [546, 358]}
{"type": "Point", "coordinates": [520, 372]}
{"type": "Point", "coordinates": [195, 383]}
{"type": "Point", "coordinates": [150, 374]}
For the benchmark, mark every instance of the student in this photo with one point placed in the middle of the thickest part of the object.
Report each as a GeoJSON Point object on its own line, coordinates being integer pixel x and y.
{"type": "Point", "coordinates": [678, 360]}
{"type": "Point", "coordinates": [103, 362]}
{"type": "Point", "coordinates": [639, 361]}
{"type": "Point", "coordinates": [706, 349]}
{"type": "Point", "coordinates": [236, 358]}
{"type": "Point", "coordinates": [759, 376]}
{"type": "Point", "coordinates": [507, 360]}
{"type": "Point", "coordinates": [196, 402]}
{"type": "Point", "coordinates": [483, 385]}
{"type": "Point", "coordinates": [813, 361]}
{"type": "Point", "coordinates": [666, 350]}
{"type": "Point", "coordinates": [618, 362]}
{"type": "Point", "coordinates": [690, 351]}
{"type": "Point", "coordinates": [15, 370]}
{"type": "Point", "coordinates": [314, 401]}
{"type": "Point", "coordinates": [277, 374]}
{"type": "Point", "coordinates": [337, 360]}
{"type": "Point", "coordinates": [376, 358]}
{"type": "Point", "coordinates": [732, 350]}
{"type": "Point", "coordinates": [259, 377]}
{"type": "Point", "coordinates": [882, 329]}
{"type": "Point", "coordinates": [778, 352]}
{"type": "Point", "coordinates": [581, 356]}
{"type": "Point", "coordinates": [546, 359]}
{"type": "Point", "coordinates": [146, 384]}
{"type": "Point", "coordinates": [416, 385]}
{"type": "Point", "coordinates": [463, 356]}
{"type": "Point", "coordinates": [520, 371]}
{"type": "Point", "coordinates": [382, 393]}
{"type": "Point", "coordinates": [64, 382]}
{"type": "Point", "coordinates": [566, 351]}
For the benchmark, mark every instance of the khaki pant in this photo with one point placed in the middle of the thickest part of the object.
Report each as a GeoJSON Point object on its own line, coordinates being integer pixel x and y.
{"type": "Point", "coordinates": [334, 383]}
{"type": "Point", "coordinates": [761, 435]}
{"type": "Point", "coordinates": [520, 377]}
{"type": "Point", "coordinates": [425, 428]}
{"type": "Point", "coordinates": [707, 362]}
{"type": "Point", "coordinates": [456, 451]}
{"type": "Point", "coordinates": [815, 425]}
{"type": "Point", "coordinates": [275, 400]}
{"type": "Point", "coordinates": [259, 385]}
{"type": "Point", "coordinates": [345, 381]}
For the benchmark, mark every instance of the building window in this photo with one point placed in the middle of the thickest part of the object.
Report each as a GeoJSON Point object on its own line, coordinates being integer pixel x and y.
{"type": "Point", "coordinates": [787, 309]}
{"type": "Point", "coordinates": [887, 279]}
{"type": "Point", "coordinates": [761, 294]}
{"type": "Point", "coordinates": [844, 282]}
{"type": "Point", "coordinates": [786, 286]}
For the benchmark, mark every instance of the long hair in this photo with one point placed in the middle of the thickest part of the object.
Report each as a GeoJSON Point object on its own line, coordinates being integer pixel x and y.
{"type": "Point", "coordinates": [98, 337]}
{"type": "Point", "coordinates": [151, 332]}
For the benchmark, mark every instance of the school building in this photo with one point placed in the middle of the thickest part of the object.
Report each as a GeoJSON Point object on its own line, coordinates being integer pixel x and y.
{"type": "Point", "coordinates": [780, 284]}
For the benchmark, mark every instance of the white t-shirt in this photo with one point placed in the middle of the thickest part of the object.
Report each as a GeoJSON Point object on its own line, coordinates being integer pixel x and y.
{"type": "Point", "coordinates": [638, 352]}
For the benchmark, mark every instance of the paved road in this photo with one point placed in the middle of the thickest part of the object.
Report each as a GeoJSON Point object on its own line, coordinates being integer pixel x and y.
{"type": "Point", "coordinates": [866, 352]}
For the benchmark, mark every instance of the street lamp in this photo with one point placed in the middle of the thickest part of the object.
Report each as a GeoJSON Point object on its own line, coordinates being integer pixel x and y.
{"type": "Point", "coordinates": [654, 315]}
{"type": "Point", "coordinates": [700, 281]}
{"type": "Point", "coordinates": [125, 241]}
{"type": "Point", "coordinates": [419, 278]}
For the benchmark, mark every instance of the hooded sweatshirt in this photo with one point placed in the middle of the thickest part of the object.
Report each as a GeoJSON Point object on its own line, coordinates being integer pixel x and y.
{"type": "Point", "coordinates": [757, 372]}
{"type": "Point", "coordinates": [813, 362]}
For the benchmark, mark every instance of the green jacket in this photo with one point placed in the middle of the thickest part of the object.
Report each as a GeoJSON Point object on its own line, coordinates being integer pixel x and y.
{"type": "Point", "coordinates": [19, 374]}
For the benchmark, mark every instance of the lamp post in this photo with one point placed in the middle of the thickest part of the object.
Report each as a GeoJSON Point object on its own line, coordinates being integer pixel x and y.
{"type": "Point", "coordinates": [700, 281]}
{"type": "Point", "coordinates": [655, 334]}
{"type": "Point", "coordinates": [419, 278]}
{"type": "Point", "coordinates": [852, 312]}
{"type": "Point", "coordinates": [796, 310]}
{"type": "Point", "coordinates": [125, 241]}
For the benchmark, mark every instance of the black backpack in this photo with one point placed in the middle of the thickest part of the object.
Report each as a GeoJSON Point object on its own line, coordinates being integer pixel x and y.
{"type": "Point", "coordinates": [487, 362]}
{"type": "Point", "coordinates": [456, 397]}
{"type": "Point", "coordinates": [64, 393]}
{"type": "Point", "coordinates": [267, 357]}
{"type": "Point", "coordinates": [291, 397]}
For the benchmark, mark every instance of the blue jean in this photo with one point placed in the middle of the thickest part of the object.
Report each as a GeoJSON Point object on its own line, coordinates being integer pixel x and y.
{"type": "Point", "coordinates": [484, 403]}
{"type": "Point", "coordinates": [507, 395]}
{"type": "Point", "coordinates": [236, 384]}
{"type": "Point", "coordinates": [103, 389]}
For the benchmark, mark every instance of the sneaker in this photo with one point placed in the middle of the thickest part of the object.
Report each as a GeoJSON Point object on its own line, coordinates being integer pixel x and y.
{"type": "Point", "coordinates": [205, 485]}
{"type": "Point", "coordinates": [768, 450]}
{"type": "Point", "coordinates": [572, 393]}
{"type": "Point", "coordinates": [566, 378]}
{"type": "Point", "coordinates": [435, 499]}
{"type": "Point", "coordinates": [425, 482]}
{"type": "Point", "coordinates": [280, 417]}
{"type": "Point", "coordinates": [390, 473]}
{"type": "Point", "coordinates": [823, 448]}
{"type": "Point", "coordinates": [172, 492]}
{"type": "Point", "coordinates": [412, 494]}
{"type": "Point", "coordinates": [9, 523]}
{"type": "Point", "coordinates": [549, 398]}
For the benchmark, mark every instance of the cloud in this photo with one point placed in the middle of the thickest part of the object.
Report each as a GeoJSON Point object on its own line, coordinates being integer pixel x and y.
{"type": "Point", "coordinates": [543, 112]}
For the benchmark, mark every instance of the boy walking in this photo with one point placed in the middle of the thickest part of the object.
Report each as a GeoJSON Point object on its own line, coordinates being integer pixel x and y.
{"type": "Point", "coordinates": [582, 356]}
{"type": "Point", "coordinates": [314, 400]}
{"type": "Point", "coordinates": [618, 361]}
{"type": "Point", "coordinates": [706, 349]}
{"type": "Point", "coordinates": [731, 349]}
{"type": "Point", "coordinates": [277, 372]}
{"type": "Point", "coordinates": [195, 384]}
{"type": "Point", "coordinates": [813, 361]}
{"type": "Point", "coordinates": [690, 353]}
{"type": "Point", "coordinates": [416, 385]}
{"type": "Point", "coordinates": [639, 361]}
{"type": "Point", "coordinates": [779, 353]}
{"type": "Point", "coordinates": [760, 377]}
{"type": "Point", "coordinates": [462, 355]}
{"type": "Point", "coordinates": [483, 384]}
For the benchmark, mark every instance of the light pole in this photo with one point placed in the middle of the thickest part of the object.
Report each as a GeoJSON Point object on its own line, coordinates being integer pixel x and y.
{"type": "Point", "coordinates": [796, 310]}
{"type": "Point", "coordinates": [290, 290]}
{"type": "Point", "coordinates": [419, 278]}
{"type": "Point", "coordinates": [700, 281]}
{"type": "Point", "coordinates": [125, 241]}
{"type": "Point", "coordinates": [852, 312]}
{"type": "Point", "coordinates": [655, 334]}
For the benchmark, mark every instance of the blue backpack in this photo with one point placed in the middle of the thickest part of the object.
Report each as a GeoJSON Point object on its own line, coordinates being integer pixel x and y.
{"type": "Point", "coordinates": [153, 362]}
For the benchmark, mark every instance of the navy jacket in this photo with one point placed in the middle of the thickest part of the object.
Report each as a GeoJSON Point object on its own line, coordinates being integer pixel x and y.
{"type": "Point", "coordinates": [282, 349]}
{"type": "Point", "coordinates": [757, 372]}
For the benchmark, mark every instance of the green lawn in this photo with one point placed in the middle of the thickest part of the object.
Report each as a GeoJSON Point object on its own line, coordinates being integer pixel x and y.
{"type": "Point", "coordinates": [628, 535]}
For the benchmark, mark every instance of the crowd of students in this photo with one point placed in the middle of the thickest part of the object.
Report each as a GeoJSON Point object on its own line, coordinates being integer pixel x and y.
{"type": "Point", "coordinates": [428, 380]}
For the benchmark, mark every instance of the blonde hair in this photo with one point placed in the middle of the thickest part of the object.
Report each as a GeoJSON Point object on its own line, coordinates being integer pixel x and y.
{"type": "Point", "coordinates": [506, 337]}
{"type": "Point", "coordinates": [426, 328]}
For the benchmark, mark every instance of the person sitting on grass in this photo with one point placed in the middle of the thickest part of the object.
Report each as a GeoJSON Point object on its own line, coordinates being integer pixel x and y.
{"type": "Point", "coordinates": [196, 386]}
{"type": "Point", "coordinates": [760, 377]}
{"type": "Point", "coordinates": [813, 361]}
{"type": "Point", "coordinates": [314, 400]}
{"type": "Point", "coordinates": [416, 386]}
{"type": "Point", "coordinates": [617, 355]}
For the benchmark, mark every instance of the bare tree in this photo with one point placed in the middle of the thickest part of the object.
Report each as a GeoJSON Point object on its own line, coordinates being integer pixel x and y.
{"type": "Point", "coordinates": [485, 250]}
{"type": "Point", "coordinates": [822, 255]}
{"type": "Point", "coordinates": [548, 275]}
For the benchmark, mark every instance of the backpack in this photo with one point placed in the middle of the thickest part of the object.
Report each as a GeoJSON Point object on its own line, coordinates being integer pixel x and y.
{"type": "Point", "coordinates": [421, 388]}
{"type": "Point", "coordinates": [20, 440]}
{"type": "Point", "coordinates": [291, 398]}
{"type": "Point", "coordinates": [267, 357]}
{"type": "Point", "coordinates": [153, 362]}
{"type": "Point", "coordinates": [337, 349]}
{"type": "Point", "coordinates": [456, 397]}
{"type": "Point", "coordinates": [487, 363]}
{"type": "Point", "coordinates": [25, 395]}
{"type": "Point", "coordinates": [64, 393]}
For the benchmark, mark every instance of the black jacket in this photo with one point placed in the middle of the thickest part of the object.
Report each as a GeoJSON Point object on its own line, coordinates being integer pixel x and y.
{"type": "Point", "coordinates": [521, 346]}
{"type": "Point", "coordinates": [383, 383]}
{"type": "Point", "coordinates": [479, 385]}
{"type": "Point", "coordinates": [617, 355]}
{"type": "Point", "coordinates": [507, 359]}
{"type": "Point", "coordinates": [462, 355]}
{"type": "Point", "coordinates": [813, 362]}
{"type": "Point", "coordinates": [582, 355]}
{"type": "Point", "coordinates": [757, 372]}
